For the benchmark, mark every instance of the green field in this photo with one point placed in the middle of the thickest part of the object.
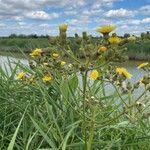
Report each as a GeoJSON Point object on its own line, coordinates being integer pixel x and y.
{"type": "Point", "coordinates": [136, 51]}
{"type": "Point", "coordinates": [139, 50]}
{"type": "Point", "coordinates": [24, 44]}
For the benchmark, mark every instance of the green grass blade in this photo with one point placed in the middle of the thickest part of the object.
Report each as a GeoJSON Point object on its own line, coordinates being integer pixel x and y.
{"type": "Point", "coordinates": [49, 141]}
{"type": "Point", "coordinates": [11, 144]}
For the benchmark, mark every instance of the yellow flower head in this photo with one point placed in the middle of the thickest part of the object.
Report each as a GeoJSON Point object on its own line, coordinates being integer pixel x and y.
{"type": "Point", "coordinates": [106, 29]}
{"type": "Point", "coordinates": [114, 40]}
{"type": "Point", "coordinates": [94, 75]}
{"type": "Point", "coordinates": [55, 55]}
{"type": "Point", "coordinates": [62, 63]}
{"type": "Point", "coordinates": [36, 53]}
{"type": "Point", "coordinates": [102, 49]}
{"type": "Point", "coordinates": [47, 78]}
{"type": "Point", "coordinates": [131, 39]}
{"type": "Point", "coordinates": [21, 76]}
{"type": "Point", "coordinates": [142, 65]}
{"type": "Point", "coordinates": [123, 72]}
{"type": "Point", "coordinates": [63, 28]}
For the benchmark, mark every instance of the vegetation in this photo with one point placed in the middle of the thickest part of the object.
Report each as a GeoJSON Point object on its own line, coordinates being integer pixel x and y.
{"type": "Point", "coordinates": [139, 50]}
{"type": "Point", "coordinates": [25, 44]}
{"type": "Point", "coordinates": [62, 101]}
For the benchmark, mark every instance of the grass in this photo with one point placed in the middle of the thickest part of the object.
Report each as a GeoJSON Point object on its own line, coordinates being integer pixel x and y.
{"type": "Point", "coordinates": [42, 116]}
{"type": "Point", "coordinates": [139, 50]}
{"type": "Point", "coordinates": [26, 45]}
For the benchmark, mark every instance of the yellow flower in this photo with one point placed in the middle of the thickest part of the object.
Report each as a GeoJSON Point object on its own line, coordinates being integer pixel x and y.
{"type": "Point", "coordinates": [63, 27]}
{"type": "Point", "coordinates": [36, 53]}
{"type": "Point", "coordinates": [55, 55]}
{"type": "Point", "coordinates": [131, 39]}
{"type": "Point", "coordinates": [114, 40]}
{"type": "Point", "coordinates": [119, 71]}
{"type": "Point", "coordinates": [102, 49]}
{"type": "Point", "coordinates": [106, 29]}
{"type": "Point", "coordinates": [47, 78]}
{"type": "Point", "coordinates": [21, 76]}
{"type": "Point", "coordinates": [142, 65]}
{"type": "Point", "coordinates": [123, 72]}
{"type": "Point", "coordinates": [62, 63]}
{"type": "Point", "coordinates": [94, 75]}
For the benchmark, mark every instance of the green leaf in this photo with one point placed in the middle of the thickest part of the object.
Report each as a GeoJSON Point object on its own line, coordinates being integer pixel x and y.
{"type": "Point", "coordinates": [68, 135]}
{"type": "Point", "coordinates": [11, 144]}
{"type": "Point", "coordinates": [73, 83]}
{"type": "Point", "coordinates": [64, 89]}
{"type": "Point", "coordinates": [49, 141]}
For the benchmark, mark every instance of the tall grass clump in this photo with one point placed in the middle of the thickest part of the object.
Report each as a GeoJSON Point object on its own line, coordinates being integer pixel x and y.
{"type": "Point", "coordinates": [61, 101]}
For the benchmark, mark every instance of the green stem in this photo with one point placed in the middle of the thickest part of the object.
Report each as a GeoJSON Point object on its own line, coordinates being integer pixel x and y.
{"type": "Point", "coordinates": [84, 80]}
{"type": "Point", "coordinates": [89, 144]}
{"type": "Point", "coordinates": [103, 88]}
{"type": "Point", "coordinates": [130, 100]}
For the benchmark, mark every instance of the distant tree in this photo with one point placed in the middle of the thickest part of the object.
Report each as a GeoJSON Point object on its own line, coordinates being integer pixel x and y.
{"type": "Point", "coordinates": [21, 36]}
{"type": "Point", "coordinates": [126, 35]}
{"type": "Point", "coordinates": [33, 36]}
{"type": "Point", "coordinates": [76, 35]}
{"type": "Point", "coordinates": [147, 35]}
{"type": "Point", "coordinates": [142, 36]}
{"type": "Point", "coordinates": [47, 36]}
{"type": "Point", "coordinates": [13, 35]}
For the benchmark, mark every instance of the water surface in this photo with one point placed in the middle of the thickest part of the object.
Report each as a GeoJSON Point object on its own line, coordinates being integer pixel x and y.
{"type": "Point", "coordinates": [131, 66]}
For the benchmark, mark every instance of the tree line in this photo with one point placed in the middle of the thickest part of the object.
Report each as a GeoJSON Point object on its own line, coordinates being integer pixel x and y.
{"type": "Point", "coordinates": [144, 35]}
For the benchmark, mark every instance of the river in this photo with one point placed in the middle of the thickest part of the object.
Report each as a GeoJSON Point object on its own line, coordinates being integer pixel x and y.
{"type": "Point", "coordinates": [131, 66]}
{"type": "Point", "coordinates": [7, 57]}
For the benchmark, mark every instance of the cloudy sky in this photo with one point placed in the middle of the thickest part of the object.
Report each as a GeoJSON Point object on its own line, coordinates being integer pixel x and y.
{"type": "Point", "coordinates": [44, 16]}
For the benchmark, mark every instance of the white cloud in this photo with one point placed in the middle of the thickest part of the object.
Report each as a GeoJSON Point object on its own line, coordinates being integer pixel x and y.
{"type": "Point", "coordinates": [134, 22]}
{"type": "Point", "coordinates": [18, 9]}
{"type": "Point", "coordinates": [70, 12]}
{"type": "Point", "coordinates": [92, 12]}
{"type": "Point", "coordinates": [120, 13]}
{"type": "Point", "coordinates": [145, 10]}
{"type": "Point", "coordinates": [146, 20]}
{"type": "Point", "coordinates": [45, 25]}
{"type": "Point", "coordinates": [103, 3]}
{"type": "Point", "coordinates": [79, 14]}
{"type": "Point", "coordinates": [21, 23]}
{"type": "Point", "coordinates": [41, 15]}
{"type": "Point", "coordinates": [2, 25]}
{"type": "Point", "coordinates": [81, 21]}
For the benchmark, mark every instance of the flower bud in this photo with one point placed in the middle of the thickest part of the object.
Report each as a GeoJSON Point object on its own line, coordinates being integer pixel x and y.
{"type": "Point", "coordinates": [63, 28]}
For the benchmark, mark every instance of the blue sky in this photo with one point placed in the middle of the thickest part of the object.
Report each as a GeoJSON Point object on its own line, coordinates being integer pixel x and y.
{"type": "Point", "coordinates": [44, 16]}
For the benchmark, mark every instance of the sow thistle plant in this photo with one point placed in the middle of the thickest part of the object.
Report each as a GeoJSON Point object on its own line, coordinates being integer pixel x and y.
{"type": "Point", "coordinates": [75, 74]}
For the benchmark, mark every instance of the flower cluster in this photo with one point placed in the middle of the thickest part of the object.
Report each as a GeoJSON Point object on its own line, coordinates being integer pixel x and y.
{"type": "Point", "coordinates": [60, 58]}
